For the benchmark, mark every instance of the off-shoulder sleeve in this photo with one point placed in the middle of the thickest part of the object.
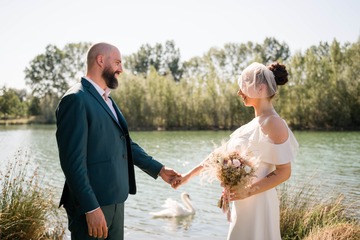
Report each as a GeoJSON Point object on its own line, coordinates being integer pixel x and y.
{"type": "Point", "coordinates": [279, 153]}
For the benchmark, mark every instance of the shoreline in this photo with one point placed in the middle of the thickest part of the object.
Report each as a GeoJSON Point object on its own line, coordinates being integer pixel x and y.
{"type": "Point", "coordinates": [38, 120]}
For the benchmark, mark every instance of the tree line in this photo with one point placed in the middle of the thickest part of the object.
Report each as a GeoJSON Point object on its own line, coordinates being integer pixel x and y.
{"type": "Point", "coordinates": [159, 91]}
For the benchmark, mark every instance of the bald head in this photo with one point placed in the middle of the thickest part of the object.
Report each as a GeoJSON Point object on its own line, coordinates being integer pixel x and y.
{"type": "Point", "coordinates": [104, 65]}
{"type": "Point", "coordinates": [98, 49]}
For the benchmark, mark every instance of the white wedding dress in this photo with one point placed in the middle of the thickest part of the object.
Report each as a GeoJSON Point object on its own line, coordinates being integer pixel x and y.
{"type": "Point", "coordinates": [257, 217]}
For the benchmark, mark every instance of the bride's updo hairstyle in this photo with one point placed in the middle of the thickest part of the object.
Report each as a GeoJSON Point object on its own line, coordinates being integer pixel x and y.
{"type": "Point", "coordinates": [258, 81]}
{"type": "Point", "coordinates": [280, 73]}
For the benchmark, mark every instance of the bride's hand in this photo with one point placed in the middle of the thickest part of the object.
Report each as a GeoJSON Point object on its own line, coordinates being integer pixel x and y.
{"type": "Point", "coordinates": [237, 193]}
{"type": "Point", "coordinates": [178, 181]}
{"type": "Point", "coordinates": [184, 178]}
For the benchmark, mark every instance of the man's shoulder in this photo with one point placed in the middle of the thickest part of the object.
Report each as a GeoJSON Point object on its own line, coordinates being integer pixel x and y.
{"type": "Point", "coordinates": [75, 89]}
{"type": "Point", "coordinates": [74, 94]}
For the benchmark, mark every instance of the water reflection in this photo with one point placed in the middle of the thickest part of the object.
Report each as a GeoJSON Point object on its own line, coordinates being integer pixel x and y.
{"type": "Point", "coordinates": [177, 223]}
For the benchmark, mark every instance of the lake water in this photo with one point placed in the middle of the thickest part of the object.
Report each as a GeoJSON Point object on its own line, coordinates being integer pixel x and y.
{"type": "Point", "coordinates": [328, 159]}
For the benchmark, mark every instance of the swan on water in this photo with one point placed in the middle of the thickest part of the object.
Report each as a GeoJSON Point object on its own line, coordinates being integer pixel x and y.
{"type": "Point", "coordinates": [175, 209]}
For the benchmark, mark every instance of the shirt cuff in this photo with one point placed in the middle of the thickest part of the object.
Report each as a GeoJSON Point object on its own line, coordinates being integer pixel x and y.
{"type": "Point", "coordinates": [161, 169]}
{"type": "Point", "coordinates": [92, 210]}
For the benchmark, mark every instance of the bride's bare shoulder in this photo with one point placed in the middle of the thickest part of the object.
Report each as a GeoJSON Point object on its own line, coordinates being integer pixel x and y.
{"type": "Point", "coordinates": [276, 129]}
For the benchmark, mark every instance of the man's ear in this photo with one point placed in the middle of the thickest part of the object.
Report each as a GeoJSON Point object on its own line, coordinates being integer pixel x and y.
{"type": "Point", "coordinates": [100, 60]}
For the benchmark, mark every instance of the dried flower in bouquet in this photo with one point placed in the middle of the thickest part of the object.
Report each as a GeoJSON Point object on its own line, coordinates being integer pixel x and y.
{"type": "Point", "coordinates": [230, 169]}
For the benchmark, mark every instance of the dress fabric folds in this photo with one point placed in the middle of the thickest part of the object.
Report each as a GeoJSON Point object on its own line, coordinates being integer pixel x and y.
{"type": "Point", "coordinates": [257, 217]}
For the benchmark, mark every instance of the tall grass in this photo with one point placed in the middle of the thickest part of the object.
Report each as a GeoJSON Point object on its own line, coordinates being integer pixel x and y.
{"type": "Point", "coordinates": [304, 216]}
{"type": "Point", "coordinates": [27, 209]}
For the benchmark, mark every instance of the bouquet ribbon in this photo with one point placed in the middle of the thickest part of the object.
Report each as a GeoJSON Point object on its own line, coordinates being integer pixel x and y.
{"type": "Point", "coordinates": [224, 203]}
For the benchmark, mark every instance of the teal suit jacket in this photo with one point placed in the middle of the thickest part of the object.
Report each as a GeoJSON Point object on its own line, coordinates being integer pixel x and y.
{"type": "Point", "coordinates": [96, 152]}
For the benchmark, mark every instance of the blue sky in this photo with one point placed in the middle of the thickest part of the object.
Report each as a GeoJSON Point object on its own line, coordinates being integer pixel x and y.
{"type": "Point", "coordinates": [28, 26]}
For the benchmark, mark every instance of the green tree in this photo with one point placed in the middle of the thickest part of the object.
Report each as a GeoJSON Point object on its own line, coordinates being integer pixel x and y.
{"type": "Point", "coordinates": [34, 107]}
{"type": "Point", "coordinates": [351, 76]}
{"type": "Point", "coordinates": [131, 95]}
{"type": "Point", "coordinates": [138, 63]}
{"type": "Point", "coordinates": [46, 73]}
{"type": "Point", "coordinates": [172, 60]}
{"type": "Point", "coordinates": [75, 61]}
{"type": "Point", "coordinates": [195, 68]}
{"type": "Point", "coordinates": [238, 57]}
{"type": "Point", "coordinates": [165, 59]}
{"type": "Point", "coordinates": [272, 50]}
{"type": "Point", "coordinates": [323, 90]}
{"type": "Point", "coordinates": [10, 104]}
{"type": "Point", "coordinates": [228, 62]}
{"type": "Point", "coordinates": [293, 101]}
{"type": "Point", "coordinates": [50, 74]}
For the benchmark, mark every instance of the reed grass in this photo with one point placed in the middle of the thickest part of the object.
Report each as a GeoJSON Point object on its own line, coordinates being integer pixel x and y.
{"type": "Point", "coordinates": [27, 209]}
{"type": "Point", "coordinates": [304, 216]}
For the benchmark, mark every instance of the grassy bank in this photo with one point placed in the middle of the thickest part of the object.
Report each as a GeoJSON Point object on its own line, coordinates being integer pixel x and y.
{"type": "Point", "coordinates": [24, 121]}
{"type": "Point", "coordinates": [19, 121]}
{"type": "Point", "coordinates": [304, 216]}
{"type": "Point", "coordinates": [27, 209]}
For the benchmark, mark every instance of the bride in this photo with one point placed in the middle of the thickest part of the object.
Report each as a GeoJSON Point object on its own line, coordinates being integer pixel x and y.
{"type": "Point", "coordinates": [255, 210]}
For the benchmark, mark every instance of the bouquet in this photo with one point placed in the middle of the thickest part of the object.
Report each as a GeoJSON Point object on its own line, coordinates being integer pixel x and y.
{"type": "Point", "coordinates": [231, 169]}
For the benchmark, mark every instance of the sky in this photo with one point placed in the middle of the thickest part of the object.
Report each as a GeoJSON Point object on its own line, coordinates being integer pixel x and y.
{"type": "Point", "coordinates": [28, 26]}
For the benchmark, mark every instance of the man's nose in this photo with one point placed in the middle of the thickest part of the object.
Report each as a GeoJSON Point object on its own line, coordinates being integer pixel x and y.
{"type": "Point", "coordinates": [120, 68]}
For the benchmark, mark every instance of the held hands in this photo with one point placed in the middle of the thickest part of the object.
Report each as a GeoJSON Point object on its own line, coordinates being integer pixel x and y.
{"type": "Point", "coordinates": [96, 222]}
{"type": "Point", "coordinates": [175, 179]}
{"type": "Point", "coordinates": [169, 175]}
{"type": "Point", "coordinates": [181, 180]}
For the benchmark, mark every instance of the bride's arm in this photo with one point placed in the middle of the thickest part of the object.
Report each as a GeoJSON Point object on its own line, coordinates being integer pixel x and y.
{"type": "Point", "coordinates": [187, 176]}
{"type": "Point", "coordinates": [190, 174]}
{"type": "Point", "coordinates": [280, 175]}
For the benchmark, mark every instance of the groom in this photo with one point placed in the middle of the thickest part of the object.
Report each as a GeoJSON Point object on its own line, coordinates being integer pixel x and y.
{"type": "Point", "coordinates": [96, 152]}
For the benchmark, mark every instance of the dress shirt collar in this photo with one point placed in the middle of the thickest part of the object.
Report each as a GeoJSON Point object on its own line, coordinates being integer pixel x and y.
{"type": "Point", "coordinates": [99, 89]}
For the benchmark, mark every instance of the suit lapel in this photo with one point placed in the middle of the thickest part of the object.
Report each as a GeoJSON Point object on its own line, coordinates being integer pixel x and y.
{"type": "Point", "coordinates": [120, 116]}
{"type": "Point", "coordinates": [97, 96]}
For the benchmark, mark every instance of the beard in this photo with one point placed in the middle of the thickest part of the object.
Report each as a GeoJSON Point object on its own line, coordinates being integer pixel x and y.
{"type": "Point", "coordinates": [109, 77]}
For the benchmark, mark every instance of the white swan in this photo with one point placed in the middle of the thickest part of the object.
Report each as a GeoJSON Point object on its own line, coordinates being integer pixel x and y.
{"type": "Point", "coordinates": [175, 209]}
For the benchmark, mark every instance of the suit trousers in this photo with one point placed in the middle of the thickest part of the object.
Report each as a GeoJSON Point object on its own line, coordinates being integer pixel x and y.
{"type": "Point", "coordinates": [114, 215]}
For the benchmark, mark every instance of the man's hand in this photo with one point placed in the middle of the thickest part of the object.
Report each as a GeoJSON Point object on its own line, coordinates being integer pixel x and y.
{"type": "Point", "coordinates": [97, 224]}
{"type": "Point", "coordinates": [168, 175]}
{"type": "Point", "coordinates": [178, 181]}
